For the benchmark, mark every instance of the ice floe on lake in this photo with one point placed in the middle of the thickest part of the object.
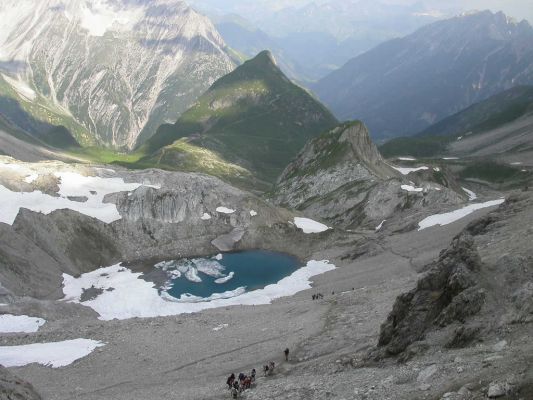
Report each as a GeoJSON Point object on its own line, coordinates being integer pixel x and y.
{"type": "Point", "coordinates": [55, 354]}
{"type": "Point", "coordinates": [448, 218]}
{"type": "Point", "coordinates": [71, 185]}
{"type": "Point", "coordinates": [133, 297]}
{"type": "Point", "coordinates": [310, 226]}
{"type": "Point", "coordinates": [225, 279]}
{"type": "Point", "coordinates": [20, 323]}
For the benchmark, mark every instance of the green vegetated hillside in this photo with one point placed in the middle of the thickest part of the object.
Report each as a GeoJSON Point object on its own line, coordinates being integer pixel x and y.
{"type": "Point", "coordinates": [479, 119]}
{"type": "Point", "coordinates": [254, 117]}
{"type": "Point", "coordinates": [39, 118]}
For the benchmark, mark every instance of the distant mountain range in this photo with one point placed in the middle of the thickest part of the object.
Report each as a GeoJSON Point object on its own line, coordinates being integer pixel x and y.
{"type": "Point", "coordinates": [110, 71]}
{"type": "Point", "coordinates": [405, 85]}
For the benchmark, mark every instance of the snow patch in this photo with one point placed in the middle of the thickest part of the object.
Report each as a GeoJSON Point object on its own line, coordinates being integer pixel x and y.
{"type": "Point", "coordinates": [220, 327]}
{"type": "Point", "coordinates": [31, 178]}
{"type": "Point", "coordinates": [407, 171]}
{"type": "Point", "coordinates": [206, 217]}
{"type": "Point", "coordinates": [253, 213]}
{"type": "Point", "coordinates": [71, 185]}
{"type": "Point", "coordinates": [55, 354]}
{"type": "Point", "coordinates": [406, 159]}
{"type": "Point", "coordinates": [225, 210]}
{"type": "Point", "coordinates": [20, 323]}
{"type": "Point", "coordinates": [133, 297]}
{"type": "Point", "coordinates": [448, 218]}
{"type": "Point", "coordinates": [471, 195]}
{"type": "Point", "coordinates": [410, 188]}
{"type": "Point", "coordinates": [310, 226]}
{"type": "Point", "coordinates": [378, 228]}
{"type": "Point", "coordinates": [450, 158]}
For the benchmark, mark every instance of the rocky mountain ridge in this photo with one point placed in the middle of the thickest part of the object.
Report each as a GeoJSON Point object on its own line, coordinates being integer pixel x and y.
{"type": "Point", "coordinates": [110, 71]}
{"type": "Point", "coordinates": [342, 178]}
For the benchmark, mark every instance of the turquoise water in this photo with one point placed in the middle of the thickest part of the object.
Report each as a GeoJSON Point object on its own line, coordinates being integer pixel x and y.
{"type": "Point", "coordinates": [251, 269]}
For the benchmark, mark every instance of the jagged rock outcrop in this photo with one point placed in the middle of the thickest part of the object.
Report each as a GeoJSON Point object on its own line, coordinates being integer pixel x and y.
{"type": "Point", "coordinates": [110, 71]}
{"type": "Point", "coordinates": [14, 388]}
{"type": "Point", "coordinates": [341, 177]}
{"type": "Point", "coordinates": [446, 293]}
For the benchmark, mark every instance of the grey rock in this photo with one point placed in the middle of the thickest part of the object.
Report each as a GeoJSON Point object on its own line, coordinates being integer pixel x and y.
{"type": "Point", "coordinates": [14, 388]}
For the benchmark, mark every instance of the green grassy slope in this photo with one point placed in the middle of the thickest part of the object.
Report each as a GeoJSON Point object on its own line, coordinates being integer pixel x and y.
{"type": "Point", "coordinates": [253, 117]}
{"type": "Point", "coordinates": [492, 113]}
{"type": "Point", "coordinates": [41, 119]}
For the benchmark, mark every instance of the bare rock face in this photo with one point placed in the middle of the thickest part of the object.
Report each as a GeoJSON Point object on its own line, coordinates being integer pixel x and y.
{"type": "Point", "coordinates": [13, 388]}
{"type": "Point", "coordinates": [446, 293]}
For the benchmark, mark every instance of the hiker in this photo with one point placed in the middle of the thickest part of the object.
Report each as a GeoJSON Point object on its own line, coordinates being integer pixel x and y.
{"type": "Point", "coordinates": [230, 381]}
{"type": "Point", "coordinates": [235, 390]}
{"type": "Point", "coordinates": [246, 383]}
{"type": "Point", "coordinates": [253, 375]}
{"type": "Point", "coordinates": [265, 370]}
{"type": "Point", "coordinates": [241, 377]}
{"type": "Point", "coordinates": [286, 352]}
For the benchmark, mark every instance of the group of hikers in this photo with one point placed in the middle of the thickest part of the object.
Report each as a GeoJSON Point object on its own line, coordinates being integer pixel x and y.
{"type": "Point", "coordinates": [237, 385]}
{"type": "Point", "coordinates": [318, 296]}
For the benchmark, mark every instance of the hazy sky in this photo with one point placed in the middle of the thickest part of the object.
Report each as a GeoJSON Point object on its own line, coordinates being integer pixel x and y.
{"type": "Point", "coordinates": [518, 9]}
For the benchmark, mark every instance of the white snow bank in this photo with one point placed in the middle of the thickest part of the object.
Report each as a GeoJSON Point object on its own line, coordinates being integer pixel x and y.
{"type": "Point", "coordinates": [410, 188]}
{"type": "Point", "coordinates": [220, 327]}
{"type": "Point", "coordinates": [407, 171]}
{"type": "Point", "coordinates": [471, 195]}
{"type": "Point", "coordinates": [206, 217]}
{"type": "Point", "coordinates": [71, 185]}
{"type": "Point", "coordinates": [225, 210]}
{"type": "Point", "coordinates": [448, 218]}
{"type": "Point", "coordinates": [55, 354]}
{"type": "Point", "coordinates": [20, 323]}
{"type": "Point", "coordinates": [309, 226]}
{"type": "Point", "coordinates": [133, 297]}
{"type": "Point", "coordinates": [406, 159]}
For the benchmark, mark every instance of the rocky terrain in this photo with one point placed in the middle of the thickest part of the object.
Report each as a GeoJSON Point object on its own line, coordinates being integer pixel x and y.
{"type": "Point", "coordinates": [341, 177]}
{"type": "Point", "coordinates": [111, 72]}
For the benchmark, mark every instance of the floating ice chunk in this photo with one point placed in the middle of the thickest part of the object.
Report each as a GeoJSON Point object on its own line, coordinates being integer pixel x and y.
{"type": "Point", "coordinates": [378, 228]}
{"type": "Point", "coordinates": [407, 171]}
{"type": "Point", "coordinates": [55, 354]}
{"type": "Point", "coordinates": [225, 210]}
{"type": "Point", "coordinates": [206, 217]}
{"type": "Point", "coordinates": [31, 178]}
{"type": "Point", "coordinates": [209, 267]}
{"type": "Point", "coordinates": [471, 195]}
{"type": "Point", "coordinates": [219, 256]}
{"type": "Point", "coordinates": [225, 278]}
{"type": "Point", "coordinates": [20, 323]}
{"type": "Point", "coordinates": [133, 297]}
{"type": "Point", "coordinates": [310, 226]}
{"type": "Point", "coordinates": [192, 275]}
{"type": "Point", "coordinates": [253, 213]}
{"type": "Point", "coordinates": [410, 188]}
{"type": "Point", "coordinates": [448, 218]}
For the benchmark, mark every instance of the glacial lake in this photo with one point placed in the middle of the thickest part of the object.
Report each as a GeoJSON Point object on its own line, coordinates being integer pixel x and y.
{"type": "Point", "coordinates": [226, 275]}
